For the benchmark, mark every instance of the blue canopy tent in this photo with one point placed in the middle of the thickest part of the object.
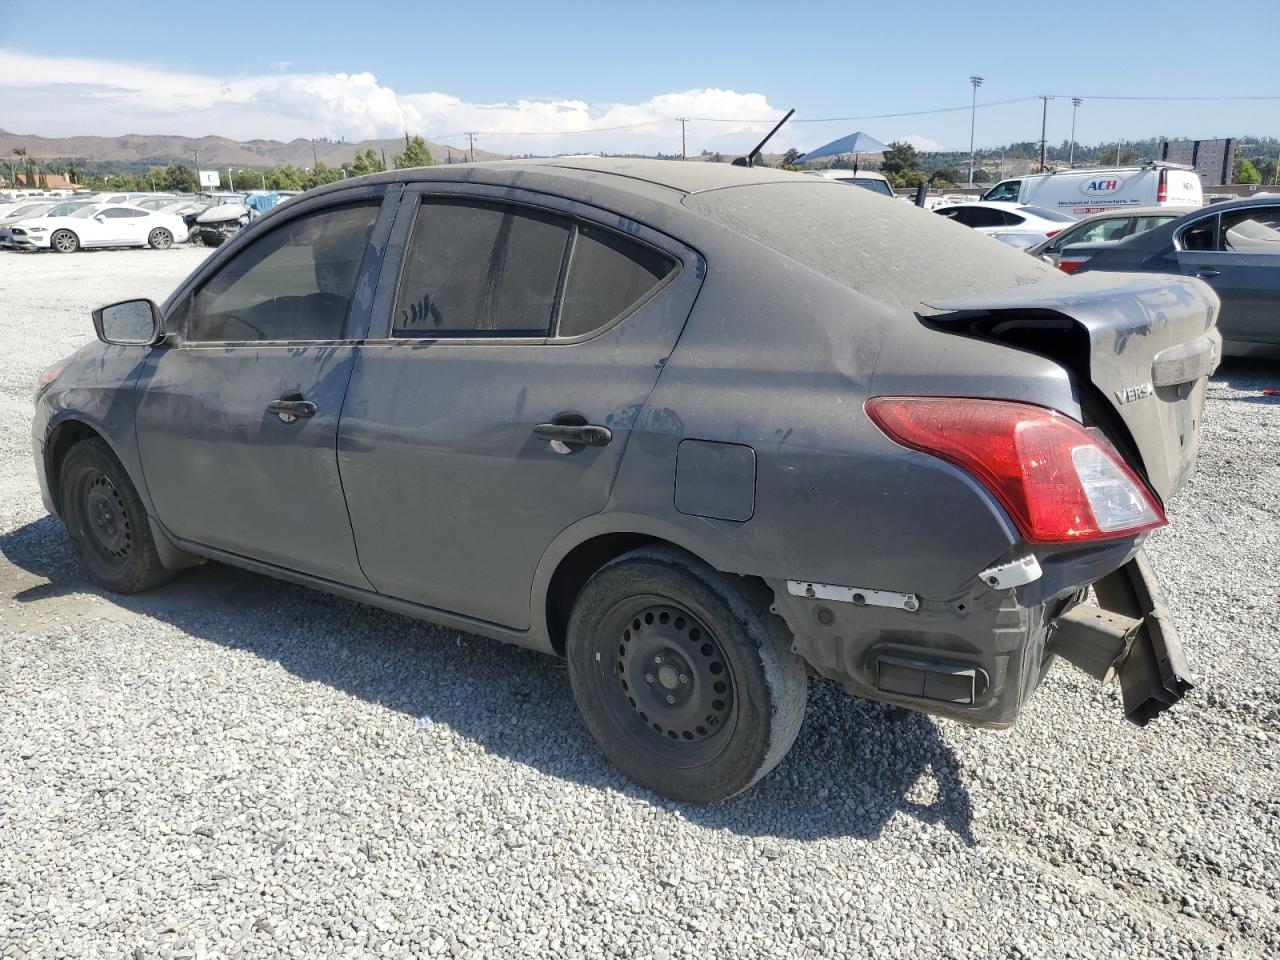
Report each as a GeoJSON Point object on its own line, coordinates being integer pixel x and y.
{"type": "Point", "coordinates": [854, 143]}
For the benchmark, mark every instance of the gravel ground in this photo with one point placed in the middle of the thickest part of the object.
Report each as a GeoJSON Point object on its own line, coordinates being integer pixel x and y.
{"type": "Point", "coordinates": [234, 767]}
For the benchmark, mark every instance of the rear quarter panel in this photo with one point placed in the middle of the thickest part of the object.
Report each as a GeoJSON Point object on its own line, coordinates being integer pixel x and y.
{"type": "Point", "coordinates": [781, 359]}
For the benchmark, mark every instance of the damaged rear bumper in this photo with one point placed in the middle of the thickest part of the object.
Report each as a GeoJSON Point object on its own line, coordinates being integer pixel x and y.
{"type": "Point", "coordinates": [978, 656]}
{"type": "Point", "coordinates": [1128, 637]}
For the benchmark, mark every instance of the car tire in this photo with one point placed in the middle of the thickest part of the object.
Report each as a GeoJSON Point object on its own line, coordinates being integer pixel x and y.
{"type": "Point", "coordinates": [683, 676]}
{"type": "Point", "coordinates": [160, 239]}
{"type": "Point", "coordinates": [64, 241]}
{"type": "Point", "coordinates": [106, 521]}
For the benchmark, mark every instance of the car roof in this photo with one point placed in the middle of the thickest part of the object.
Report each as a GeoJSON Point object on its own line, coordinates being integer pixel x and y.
{"type": "Point", "coordinates": [1171, 210]}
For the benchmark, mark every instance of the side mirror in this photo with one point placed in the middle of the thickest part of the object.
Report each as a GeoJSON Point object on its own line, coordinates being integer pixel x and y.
{"type": "Point", "coordinates": [100, 218]}
{"type": "Point", "coordinates": [129, 323]}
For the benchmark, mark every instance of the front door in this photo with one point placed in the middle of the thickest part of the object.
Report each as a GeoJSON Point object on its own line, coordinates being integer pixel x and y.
{"type": "Point", "coordinates": [1240, 258]}
{"type": "Point", "coordinates": [520, 341]}
{"type": "Point", "coordinates": [237, 422]}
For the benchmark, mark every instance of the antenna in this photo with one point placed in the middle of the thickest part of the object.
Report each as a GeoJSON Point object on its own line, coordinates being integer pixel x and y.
{"type": "Point", "coordinates": [750, 158]}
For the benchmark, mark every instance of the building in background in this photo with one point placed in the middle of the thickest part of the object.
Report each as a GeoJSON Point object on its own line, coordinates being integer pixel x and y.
{"type": "Point", "coordinates": [1212, 159]}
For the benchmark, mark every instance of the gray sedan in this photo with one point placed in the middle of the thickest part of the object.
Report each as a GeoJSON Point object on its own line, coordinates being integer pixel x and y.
{"type": "Point", "coordinates": [700, 429]}
{"type": "Point", "coordinates": [1233, 247]}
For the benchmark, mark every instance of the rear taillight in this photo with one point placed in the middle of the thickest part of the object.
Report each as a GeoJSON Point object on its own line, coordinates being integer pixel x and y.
{"type": "Point", "coordinates": [1058, 482]}
{"type": "Point", "coordinates": [1071, 266]}
{"type": "Point", "coordinates": [1162, 194]}
{"type": "Point", "coordinates": [1051, 233]}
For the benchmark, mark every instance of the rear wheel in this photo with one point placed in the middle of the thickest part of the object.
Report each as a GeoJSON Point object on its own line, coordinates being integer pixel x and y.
{"type": "Point", "coordinates": [683, 676]}
{"type": "Point", "coordinates": [64, 241]}
{"type": "Point", "coordinates": [106, 521]}
{"type": "Point", "coordinates": [160, 239]}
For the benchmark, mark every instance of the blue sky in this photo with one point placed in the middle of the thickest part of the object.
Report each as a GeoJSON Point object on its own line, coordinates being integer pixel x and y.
{"type": "Point", "coordinates": [510, 69]}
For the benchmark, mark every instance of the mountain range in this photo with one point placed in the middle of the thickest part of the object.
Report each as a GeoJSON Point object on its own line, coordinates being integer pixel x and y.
{"type": "Point", "coordinates": [215, 152]}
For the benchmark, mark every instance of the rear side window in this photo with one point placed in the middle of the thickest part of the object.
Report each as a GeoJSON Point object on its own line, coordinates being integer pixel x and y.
{"type": "Point", "coordinates": [1252, 231]}
{"type": "Point", "coordinates": [483, 268]}
{"type": "Point", "coordinates": [607, 275]}
{"type": "Point", "coordinates": [1101, 231]}
{"type": "Point", "coordinates": [478, 268]}
{"type": "Point", "coordinates": [294, 283]}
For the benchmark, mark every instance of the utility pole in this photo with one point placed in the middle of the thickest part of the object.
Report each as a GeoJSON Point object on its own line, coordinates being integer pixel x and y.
{"type": "Point", "coordinates": [471, 146]}
{"type": "Point", "coordinates": [1075, 105]}
{"type": "Point", "coordinates": [973, 117]}
{"type": "Point", "coordinates": [231, 180]}
{"type": "Point", "coordinates": [1117, 153]}
{"type": "Point", "coordinates": [1044, 122]}
{"type": "Point", "coordinates": [683, 121]}
{"type": "Point", "coordinates": [314, 162]}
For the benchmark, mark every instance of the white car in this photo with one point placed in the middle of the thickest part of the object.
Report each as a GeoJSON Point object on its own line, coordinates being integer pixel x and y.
{"type": "Point", "coordinates": [1012, 223]}
{"type": "Point", "coordinates": [99, 225]}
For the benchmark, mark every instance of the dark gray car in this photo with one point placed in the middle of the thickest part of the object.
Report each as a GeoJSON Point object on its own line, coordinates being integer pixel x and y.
{"type": "Point", "coordinates": [700, 429]}
{"type": "Point", "coordinates": [1234, 247]}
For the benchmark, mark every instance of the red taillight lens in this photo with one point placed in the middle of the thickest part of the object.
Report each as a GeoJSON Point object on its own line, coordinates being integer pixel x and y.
{"type": "Point", "coordinates": [1051, 233]}
{"type": "Point", "coordinates": [1059, 483]}
{"type": "Point", "coordinates": [1162, 194]}
{"type": "Point", "coordinates": [1071, 266]}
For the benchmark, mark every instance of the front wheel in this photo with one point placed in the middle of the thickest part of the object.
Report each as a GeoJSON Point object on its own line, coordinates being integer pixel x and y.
{"type": "Point", "coordinates": [64, 241]}
{"type": "Point", "coordinates": [106, 521]}
{"type": "Point", "coordinates": [683, 676]}
{"type": "Point", "coordinates": [160, 239]}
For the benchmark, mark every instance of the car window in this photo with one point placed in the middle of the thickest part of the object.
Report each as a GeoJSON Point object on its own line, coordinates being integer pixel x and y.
{"type": "Point", "coordinates": [607, 275]}
{"type": "Point", "coordinates": [476, 267]}
{"type": "Point", "coordinates": [867, 183]}
{"type": "Point", "coordinates": [114, 213]}
{"type": "Point", "coordinates": [958, 214]}
{"type": "Point", "coordinates": [1201, 235]}
{"type": "Point", "coordinates": [294, 283]}
{"type": "Point", "coordinates": [985, 217]}
{"type": "Point", "coordinates": [1010, 218]}
{"type": "Point", "coordinates": [1101, 231]}
{"type": "Point", "coordinates": [1008, 190]}
{"type": "Point", "coordinates": [1143, 224]}
{"type": "Point", "coordinates": [1255, 230]}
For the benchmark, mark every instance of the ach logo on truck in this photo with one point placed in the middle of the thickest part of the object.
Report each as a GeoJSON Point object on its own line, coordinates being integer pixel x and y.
{"type": "Point", "coordinates": [1101, 185]}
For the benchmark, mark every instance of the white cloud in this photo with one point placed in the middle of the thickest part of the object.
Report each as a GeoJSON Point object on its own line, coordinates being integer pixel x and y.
{"type": "Point", "coordinates": [63, 96]}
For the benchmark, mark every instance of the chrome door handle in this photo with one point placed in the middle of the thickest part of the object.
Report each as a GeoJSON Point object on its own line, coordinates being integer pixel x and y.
{"type": "Point", "coordinates": [1205, 272]}
{"type": "Point", "coordinates": [587, 434]}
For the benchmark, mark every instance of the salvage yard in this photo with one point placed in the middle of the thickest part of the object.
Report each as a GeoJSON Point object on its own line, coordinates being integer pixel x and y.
{"type": "Point", "coordinates": [230, 766]}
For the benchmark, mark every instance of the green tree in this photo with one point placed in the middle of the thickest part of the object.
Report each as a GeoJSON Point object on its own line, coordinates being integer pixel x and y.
{"type": "Point", "coordinates": [368, 162]}
{"type": "Point", "coordinates": [1246, 172]}
{"type": "Point", "coordinates": [44, 182]}
{"type": "Point", "coordinates": [899, 158]}
{"type": "Point", "coordinates": [789, 159]}
{"type": "Point", "coordinates": [415, 154]}
{"type": "Point", "coordinates": [179, 178]}
{"type": "Point", "coordinates": [981, 176]}
{"type": "Point", "coordinates": [287, 177]}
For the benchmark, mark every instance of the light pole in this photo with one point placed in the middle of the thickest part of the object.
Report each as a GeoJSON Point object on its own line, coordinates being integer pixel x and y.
{"type": "Point", "coordinates": [1075, 105]}
{"type": "Point", "coordinates": [231, 180]}
{"type": "Point", "coordinates": [973, 118]}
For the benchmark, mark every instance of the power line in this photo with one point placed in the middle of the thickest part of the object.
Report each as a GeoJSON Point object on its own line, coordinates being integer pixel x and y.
{"type": "Point", "coordinates": [1166, 99]}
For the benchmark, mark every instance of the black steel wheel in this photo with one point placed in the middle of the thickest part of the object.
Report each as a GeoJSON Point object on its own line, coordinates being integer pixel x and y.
{"type": "Point", "coordinates": [106, 521]}
{"type": "Point", "coordinates": [160, 239]}
{"type": "Point", "coordinates": [683, 676]}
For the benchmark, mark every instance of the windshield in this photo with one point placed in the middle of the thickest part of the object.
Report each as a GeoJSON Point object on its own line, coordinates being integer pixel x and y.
{"type": "Point", "coordinates": [869, 183]}
{"type": "Point", "coordinates": [65, 209]}
{"type": "Point", "coordinates": [30, 208]}
{"type": "Point", "coordinates": [892, 252]}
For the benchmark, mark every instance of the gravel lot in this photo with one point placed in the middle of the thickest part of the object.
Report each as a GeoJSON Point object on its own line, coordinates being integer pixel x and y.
{"type": "Point", "coordinates": [234, 767]}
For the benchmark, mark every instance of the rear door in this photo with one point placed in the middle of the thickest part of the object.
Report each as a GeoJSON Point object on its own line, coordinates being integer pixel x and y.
{"type": "Point", "coordinates": [237, 421]}
{"type": "Point", "coordinates": [515, 340]}
{"type": "Point", "coordinates": [1237, 253]}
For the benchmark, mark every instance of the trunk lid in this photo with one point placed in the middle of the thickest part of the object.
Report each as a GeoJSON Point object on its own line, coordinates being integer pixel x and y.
{"type": "Point", "coordinates": [1142, 347]}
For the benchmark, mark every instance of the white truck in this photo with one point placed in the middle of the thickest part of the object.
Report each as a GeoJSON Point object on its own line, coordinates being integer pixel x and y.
{"type": "Point", "coordinates": [1084, 192]}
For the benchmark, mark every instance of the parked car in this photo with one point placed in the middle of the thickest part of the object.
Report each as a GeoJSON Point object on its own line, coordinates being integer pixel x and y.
{"type": "Point", "coordinates": [1082, 192]}
{"type": "Point", "coordinates": [698, 428]}
{"type": "Point", "coordinates": [99, 225]}
{"type": "Point", "coordinates": [871, 180]}
{"type": "Point", "coordinates": [1104, 228]}
{"type": "Point", "coordinates": [1010, 223]}
{"type": "Point", "coordinates": [1234, 247]}
{"type": "Point", "coordinates": [9, 217]}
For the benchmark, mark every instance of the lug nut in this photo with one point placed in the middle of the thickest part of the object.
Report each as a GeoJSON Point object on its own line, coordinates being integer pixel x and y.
{"type": "Point", "coordinates": [648, 678]}
{"type": "Point", "coordinates": [657, 659]}
{"type": "Point", "coordinates": [683, 678]}
{"type": "Point", "coordinates": [670, 698]}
